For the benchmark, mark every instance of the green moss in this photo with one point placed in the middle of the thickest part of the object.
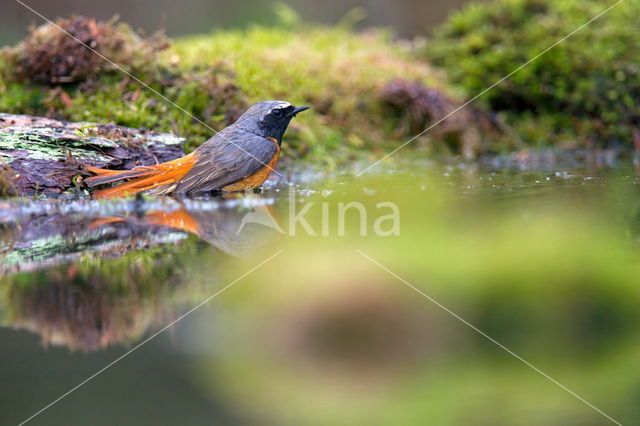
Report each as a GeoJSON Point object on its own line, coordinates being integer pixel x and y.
{"type": "Point", "coordinates": [213, 78]}
{"type": "Point", "coordinates": [333, 69]}
{"type": "Point", "coordinates": [583, 87]}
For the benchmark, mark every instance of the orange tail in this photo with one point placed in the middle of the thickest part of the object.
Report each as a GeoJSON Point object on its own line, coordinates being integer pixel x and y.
{"type": "Point", "coordinates": [179, 219]}
{"type": "Point", "coordinates": [143, 178]}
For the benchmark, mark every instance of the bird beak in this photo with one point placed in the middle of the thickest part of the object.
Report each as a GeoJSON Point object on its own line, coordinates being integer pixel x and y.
{"type": "Point", "coordinates": [298, 110]}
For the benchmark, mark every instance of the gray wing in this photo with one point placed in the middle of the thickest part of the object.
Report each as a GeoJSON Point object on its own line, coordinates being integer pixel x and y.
{"type": "Point", "coordinates": [224, 159]}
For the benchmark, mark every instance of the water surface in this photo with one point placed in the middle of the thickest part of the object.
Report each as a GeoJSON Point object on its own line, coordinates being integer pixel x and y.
{"type": "Point", "coordinates": [319, 324]}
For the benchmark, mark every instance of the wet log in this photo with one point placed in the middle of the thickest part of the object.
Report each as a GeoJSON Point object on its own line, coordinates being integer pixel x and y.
{"type": "Point", "coordinates": [44, 156]}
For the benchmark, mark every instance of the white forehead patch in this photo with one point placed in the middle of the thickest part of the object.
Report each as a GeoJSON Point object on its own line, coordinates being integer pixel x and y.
{"type": "Point", "coordinates": [282, 105]}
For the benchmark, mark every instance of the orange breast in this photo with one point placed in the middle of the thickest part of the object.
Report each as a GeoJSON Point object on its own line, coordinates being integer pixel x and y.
{"type": "Point", "coordinates": [258, 177]}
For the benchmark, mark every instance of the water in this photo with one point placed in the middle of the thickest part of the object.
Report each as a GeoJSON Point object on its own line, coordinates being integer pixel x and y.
{"type": "Point", "coordinates": [369, 316]}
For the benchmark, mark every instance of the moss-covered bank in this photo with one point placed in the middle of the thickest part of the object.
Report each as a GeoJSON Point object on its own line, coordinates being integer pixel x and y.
{"type": "Point", "coordinates": [344, 75]}
{"type": "Point", "coordinates": [370, 92]}
{"type": "Point", "coordinates": [585, 91]}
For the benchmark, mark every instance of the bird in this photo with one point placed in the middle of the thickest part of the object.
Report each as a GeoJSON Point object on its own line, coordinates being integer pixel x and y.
{"type": "Point", "coordinates": [240, 157]}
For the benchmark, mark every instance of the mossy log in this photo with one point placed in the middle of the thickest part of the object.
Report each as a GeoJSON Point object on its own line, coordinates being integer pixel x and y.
{"type": "Point", "coordinates": [43, 156]}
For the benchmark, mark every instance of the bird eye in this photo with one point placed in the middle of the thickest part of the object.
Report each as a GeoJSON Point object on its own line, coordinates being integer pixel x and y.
{"type": "Point", "coordinates": [277, 113]}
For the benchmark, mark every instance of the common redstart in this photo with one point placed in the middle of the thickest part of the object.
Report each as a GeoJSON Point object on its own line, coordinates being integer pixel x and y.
{"type": "Point", "coordinates": [238, 158]}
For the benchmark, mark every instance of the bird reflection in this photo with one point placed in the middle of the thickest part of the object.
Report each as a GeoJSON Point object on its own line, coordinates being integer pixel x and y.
{"type": "Point", "coordinates": [236, 226]}
{"type": "Point", "coordinates": [235, 231]}
{"type": "Point", "coordinates": [88, 276]}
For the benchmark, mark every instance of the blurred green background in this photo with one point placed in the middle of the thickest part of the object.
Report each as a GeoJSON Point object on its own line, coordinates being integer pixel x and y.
{"type": "Point", "coordinates": [407, 17]}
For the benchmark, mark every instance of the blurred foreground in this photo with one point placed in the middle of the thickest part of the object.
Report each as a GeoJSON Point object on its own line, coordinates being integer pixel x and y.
{"type": "Point", "coordinates": [544, 262]}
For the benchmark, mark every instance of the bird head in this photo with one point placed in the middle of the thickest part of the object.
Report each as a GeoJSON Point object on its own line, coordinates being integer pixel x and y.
{"type": "Point", "coordinates": [269, 119]}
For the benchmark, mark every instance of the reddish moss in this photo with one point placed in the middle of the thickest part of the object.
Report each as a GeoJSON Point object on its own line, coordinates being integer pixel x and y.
{"type": "Point", "coordinates": [51, 56]}
{"type": "Point", "coordinates": [7, 180]}
{"type": "Point", "coordinates": [418, 107]}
